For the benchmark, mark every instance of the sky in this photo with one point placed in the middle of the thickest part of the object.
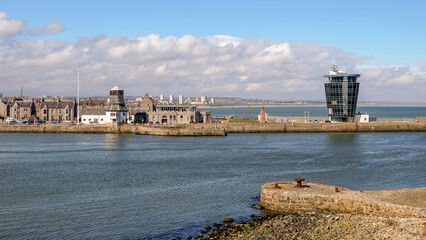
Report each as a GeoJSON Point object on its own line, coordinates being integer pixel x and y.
{"type": "Point", "coordinates": [251, 49]}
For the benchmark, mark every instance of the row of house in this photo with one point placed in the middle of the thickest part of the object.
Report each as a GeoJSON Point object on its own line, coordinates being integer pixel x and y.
{"type": "Point", "coordinates": [111, 111]}
{"type": "Point", "coordinates": [48, 111]}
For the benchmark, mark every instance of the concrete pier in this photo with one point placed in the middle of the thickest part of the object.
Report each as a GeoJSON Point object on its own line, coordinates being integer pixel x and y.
{"type": "Point", "coordinates": [284, 197]}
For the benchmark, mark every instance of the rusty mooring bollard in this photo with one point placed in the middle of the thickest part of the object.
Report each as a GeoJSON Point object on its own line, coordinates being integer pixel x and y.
{"type": "Point", "coordinates": [299, 182]}
{"type": "Point", "coordinates": [336, 189]}
{"type": "Point", "coordinates": [276, 186]}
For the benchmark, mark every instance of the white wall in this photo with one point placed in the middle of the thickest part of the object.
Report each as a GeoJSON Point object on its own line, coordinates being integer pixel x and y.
{"type": "Point", "coordinates": [114, 117]}
{"type": "Point", "coordinates": [86, 119]}
{"type": "Point", "coordinates": [362, 118]}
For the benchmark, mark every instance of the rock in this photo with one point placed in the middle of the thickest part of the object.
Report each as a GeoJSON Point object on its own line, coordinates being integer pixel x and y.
{"type": "Point", "coordinates": [227, 220]}
{"type": "Point", "coordinates": [256, 206]}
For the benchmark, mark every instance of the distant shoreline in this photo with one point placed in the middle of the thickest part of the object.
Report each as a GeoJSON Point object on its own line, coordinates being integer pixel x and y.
{"type": "Point", "coordinates": [307, 105]}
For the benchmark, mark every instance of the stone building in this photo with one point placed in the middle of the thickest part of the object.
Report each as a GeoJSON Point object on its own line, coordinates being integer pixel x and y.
{"type": "Point", "coordinates": [4, 108]}
{"type": "Point", "coordinates": [149, 112]}
{"type": "Point", "coordinates": [93, 103]}
{"type": "Point", "coordinates": [23, 110]}
{"type": "Point", "coordinates": [57, 110]}
{"type": "Point", "coordinates": [263, 116]}
{"type": "Point", "coordinates": [178, 114]}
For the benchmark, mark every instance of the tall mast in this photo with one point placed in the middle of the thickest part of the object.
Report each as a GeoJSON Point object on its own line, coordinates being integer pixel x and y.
{"type": "Point", "coordinates": [78, 93]}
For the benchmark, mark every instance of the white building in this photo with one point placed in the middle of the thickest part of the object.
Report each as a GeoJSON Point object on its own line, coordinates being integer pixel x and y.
{"type": "Point", "coordinates": [203, 99]}
{"type": "Point", "coordinates": [93, 115]}
{"type": "Point", "coordinates": [211, 100]}
{"type": "Point", "coordinates": [171, 99]}
{"type": "Point", "coordinates": [180, 99]}
{"type": "Point", "coordinates": [362, 117]}
{"type": "Point", "coordinates": [161, 97]}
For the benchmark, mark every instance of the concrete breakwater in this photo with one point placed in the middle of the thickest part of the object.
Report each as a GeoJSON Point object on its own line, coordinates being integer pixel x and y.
{"type": "Point", "coordinates": [181, 130]}
{"type": "Point", "coordinates": [406, 203]}
{"type": "Point", "coordinates": [221, 129]}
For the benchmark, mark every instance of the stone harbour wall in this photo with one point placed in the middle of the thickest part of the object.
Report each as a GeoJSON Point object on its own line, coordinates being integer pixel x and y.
{"type": "Point", "coordinates": [221, 129]}
{"type": "Point", "coordinates": [104, 129]}
{"type": "Point", "coordinates": [323, 197]}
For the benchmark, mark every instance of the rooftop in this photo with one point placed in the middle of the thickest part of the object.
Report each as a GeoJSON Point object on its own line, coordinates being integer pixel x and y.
{"type": "Point", "coordinates": [116, 87]}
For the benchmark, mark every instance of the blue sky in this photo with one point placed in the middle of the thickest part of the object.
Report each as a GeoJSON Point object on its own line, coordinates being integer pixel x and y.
{"type": "Point", "coordinates": [389, 32]}
{"type": "Point", "coordinates": [383, 40]}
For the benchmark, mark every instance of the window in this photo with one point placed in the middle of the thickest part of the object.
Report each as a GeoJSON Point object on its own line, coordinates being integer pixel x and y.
{"type": "Point", "coordinates": [84, 119]}
{"type": "Point", "coordinates": [124, 114]}
{"type": "Point", "coordinates": [66, 111]}
{"type": "Point", "coordinates": [44, 118]}
{"type": "Point", "coordinates": [102, 119]}
{"type": "Point", "coordinates": [112, 115]}
{"type": "Point", "coordinates": [25, 109]}
{"type": "Point", "coordinates": [44, 111]}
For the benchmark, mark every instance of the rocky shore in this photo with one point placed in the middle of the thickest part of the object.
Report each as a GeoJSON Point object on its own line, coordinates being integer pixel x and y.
{"type": "Point", "coordinates": [318, 211]}
{"type": "Point", "coordinates": [318, 225]}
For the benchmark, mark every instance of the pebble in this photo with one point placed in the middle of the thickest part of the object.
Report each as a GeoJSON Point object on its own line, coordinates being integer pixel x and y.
{"type": "Point", "coordinates": [325, 225]}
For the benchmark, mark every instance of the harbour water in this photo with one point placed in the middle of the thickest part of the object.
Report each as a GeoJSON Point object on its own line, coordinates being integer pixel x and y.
{"type": "Point", "coordinates": [76, 186]}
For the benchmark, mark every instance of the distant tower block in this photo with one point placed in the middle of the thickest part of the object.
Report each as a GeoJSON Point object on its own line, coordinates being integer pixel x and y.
{"type": "Point", "coordinates": [211, 100]}
{"type": "Point", "coordinates": [161, 97]}
{"type": "Point", "coordinates": [341, 93]}
{"type": "Point", "coordinates": [171, 99]}
{"type": "Point", "coordinates": [203, 99]}
{"type": "Point", "coordinates": [180, 99]}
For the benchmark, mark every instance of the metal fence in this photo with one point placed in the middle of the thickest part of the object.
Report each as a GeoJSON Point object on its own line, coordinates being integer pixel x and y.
{"type": "Point", "coordinates": [280, 119]}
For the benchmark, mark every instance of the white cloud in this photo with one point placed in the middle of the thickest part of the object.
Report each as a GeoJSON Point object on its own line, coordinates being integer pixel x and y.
{"type": "Point", "coordinates": [9, 28]}
{"type": "Point", "coordinates": [213, 66]}
{"type": "Point", "coordinates": [51, 28]}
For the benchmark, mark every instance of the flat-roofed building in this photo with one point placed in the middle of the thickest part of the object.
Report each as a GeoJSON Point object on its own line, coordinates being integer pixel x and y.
{"type": "Point", "coordinates": [341, 93]}
{"type": "Point", "coordinates": [178, 114]}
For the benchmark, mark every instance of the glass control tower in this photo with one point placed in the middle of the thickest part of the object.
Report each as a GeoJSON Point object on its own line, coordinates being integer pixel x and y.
{"type": "Point", "coordinates": [341, 93]}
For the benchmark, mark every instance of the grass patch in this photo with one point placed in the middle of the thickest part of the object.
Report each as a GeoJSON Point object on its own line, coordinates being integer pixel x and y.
{"type": "Point", "coordinates": [239, 120]}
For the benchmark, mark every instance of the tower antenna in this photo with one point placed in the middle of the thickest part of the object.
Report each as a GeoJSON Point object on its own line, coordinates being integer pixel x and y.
{"type": "Point", "coordinates": [22, 90]}
{"type": "Point", "coordinates": [78, 93]}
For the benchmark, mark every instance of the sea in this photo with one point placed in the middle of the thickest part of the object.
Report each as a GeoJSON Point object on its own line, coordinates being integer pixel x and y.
{"type": "Point", "coordinates": [108, 186]}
